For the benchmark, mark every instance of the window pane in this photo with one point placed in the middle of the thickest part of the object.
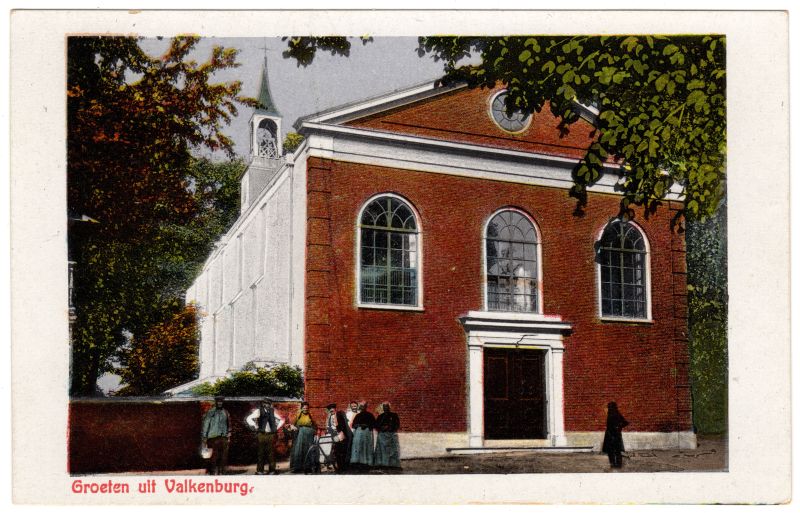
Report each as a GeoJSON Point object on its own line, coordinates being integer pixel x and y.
{"type": "Point", "coordinates": [367, 256]}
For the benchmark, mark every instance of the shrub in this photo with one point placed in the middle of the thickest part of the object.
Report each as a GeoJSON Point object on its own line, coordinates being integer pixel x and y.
{"type": "Point", "coordinates": [278, 381]}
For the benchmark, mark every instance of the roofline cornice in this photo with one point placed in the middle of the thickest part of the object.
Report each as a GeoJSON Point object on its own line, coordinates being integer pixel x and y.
{"type": "Point", "coordinates": [378, 104]}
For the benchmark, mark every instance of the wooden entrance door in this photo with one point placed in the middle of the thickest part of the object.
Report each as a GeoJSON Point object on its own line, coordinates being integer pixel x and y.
{"type": "Point", "coordinates": [515, 398]}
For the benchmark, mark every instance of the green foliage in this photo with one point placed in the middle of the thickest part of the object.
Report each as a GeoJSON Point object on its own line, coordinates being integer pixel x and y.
{"type": "Point", "coordinates": [133, 124]}
{"type": "Point", "coordinates": [292, 141]}
{"type": "Point", "coordinates": [279, 381]}
{"type": "Point", "coordinates": [165, 357]}
{"type": "Point", "coordinates": [303, 49]}
{"type": "Point", "coordinates": [708, 320]}
{"type": "Point", "coordinates": [661, 102]}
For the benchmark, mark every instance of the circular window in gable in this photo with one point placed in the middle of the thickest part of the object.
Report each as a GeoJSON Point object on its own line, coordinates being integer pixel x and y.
{"type": "Point", "coordinates": [516, 122]}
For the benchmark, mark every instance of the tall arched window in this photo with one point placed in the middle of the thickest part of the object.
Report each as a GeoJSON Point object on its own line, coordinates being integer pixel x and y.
{"type": "Point", "coordinates": [622, 257]}
{"type": "Point", "coordinates": [512, 267]}
{"type": "Point", "coordinates": [389, 261]}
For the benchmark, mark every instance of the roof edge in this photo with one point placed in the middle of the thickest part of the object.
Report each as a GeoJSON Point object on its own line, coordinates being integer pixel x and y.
{"type": "Point", "coordinates": [377, 104]}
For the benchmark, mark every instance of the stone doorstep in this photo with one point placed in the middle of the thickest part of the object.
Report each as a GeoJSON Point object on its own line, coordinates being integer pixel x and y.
{"type": "Point", "coordinates": [541, 450]}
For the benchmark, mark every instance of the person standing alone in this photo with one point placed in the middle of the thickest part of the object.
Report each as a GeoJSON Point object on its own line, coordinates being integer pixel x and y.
{"type": "Point", "coordinates": [266, 423]}
{"type": "Point", "coordinates": [612, 441]}
{"type": "Point", "coordinates": [216, 434]}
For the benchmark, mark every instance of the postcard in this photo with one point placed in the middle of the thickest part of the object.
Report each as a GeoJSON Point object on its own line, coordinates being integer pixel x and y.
{"type": "Point", "coordinates": [400, 257]}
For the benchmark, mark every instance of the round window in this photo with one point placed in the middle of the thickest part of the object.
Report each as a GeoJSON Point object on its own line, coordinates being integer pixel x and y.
{"type": "Point", "coordinates": [516, 122]}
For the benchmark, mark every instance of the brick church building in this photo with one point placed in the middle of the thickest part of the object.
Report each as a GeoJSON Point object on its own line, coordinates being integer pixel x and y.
{"type": "Point", "coordinates": [421, 248]}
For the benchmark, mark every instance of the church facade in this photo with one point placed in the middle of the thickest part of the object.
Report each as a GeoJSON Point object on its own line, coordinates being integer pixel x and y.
{"type": "Point", "coordinates": [421, 248]}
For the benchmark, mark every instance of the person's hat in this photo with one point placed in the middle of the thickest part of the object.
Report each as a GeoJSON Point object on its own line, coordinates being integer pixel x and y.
{"type": "Point", "coordinates": [266, 400]}
{"type": "Point", "coordinates": [331, 406]}
{"type": "Point", "coordinates": [219, 397]}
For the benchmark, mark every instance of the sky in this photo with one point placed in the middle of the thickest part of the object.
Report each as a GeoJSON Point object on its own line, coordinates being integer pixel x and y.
{"type": "Point", "coordinates": [386, 64]}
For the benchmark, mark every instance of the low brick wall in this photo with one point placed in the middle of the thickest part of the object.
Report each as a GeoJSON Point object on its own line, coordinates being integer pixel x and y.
{"type": "Point", "coordinates": [128, 435]}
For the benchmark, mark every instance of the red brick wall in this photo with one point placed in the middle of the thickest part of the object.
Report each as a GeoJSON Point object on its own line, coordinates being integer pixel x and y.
{"type": "Point", "coordinates": [131, 435]}
{"type": "Point", "coordinates": [418, 360]}
{"type": "Point", "coordinates": [463, 116]}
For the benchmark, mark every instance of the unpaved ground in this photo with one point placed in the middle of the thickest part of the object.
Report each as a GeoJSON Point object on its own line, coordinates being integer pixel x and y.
{"type": "Point", "coordinates": [711, 455]}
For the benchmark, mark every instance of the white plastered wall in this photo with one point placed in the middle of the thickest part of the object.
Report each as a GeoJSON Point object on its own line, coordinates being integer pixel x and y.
{"type": "Point", "coordinates": [244, 292]}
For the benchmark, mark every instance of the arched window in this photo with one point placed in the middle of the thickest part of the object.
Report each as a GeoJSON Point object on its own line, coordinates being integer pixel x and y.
{"type": "Point", "coordinates": [622, 257]}
{"type": "Point", "coordinates": [389, 261]}
{"type": "Point", "coordinates": [512, 266]}
{"type": "Point", "coordinates": [267, 139]}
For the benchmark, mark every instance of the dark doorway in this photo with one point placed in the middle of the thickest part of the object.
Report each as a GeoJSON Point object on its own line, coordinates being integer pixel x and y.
{"type": "Point", "coordinates": [514, 394]}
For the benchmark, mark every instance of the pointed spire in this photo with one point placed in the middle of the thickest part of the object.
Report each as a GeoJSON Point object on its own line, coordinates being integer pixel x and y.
{"type": "Point", "coordinates": [264, 96]}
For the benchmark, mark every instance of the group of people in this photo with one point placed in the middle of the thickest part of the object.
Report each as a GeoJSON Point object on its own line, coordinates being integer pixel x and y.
{"type": "Point", "coordinates": [360, 440]}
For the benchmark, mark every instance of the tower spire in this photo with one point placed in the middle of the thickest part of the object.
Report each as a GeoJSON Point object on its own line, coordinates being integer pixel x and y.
{"type": "Point", "coordinates": [266, 104]}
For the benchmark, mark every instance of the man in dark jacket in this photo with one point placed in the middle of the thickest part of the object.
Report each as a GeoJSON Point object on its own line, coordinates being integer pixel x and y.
{"type": "Point", "coordinates": [266, 423]}
{"type": "Point", "coordinates": [342, 436]}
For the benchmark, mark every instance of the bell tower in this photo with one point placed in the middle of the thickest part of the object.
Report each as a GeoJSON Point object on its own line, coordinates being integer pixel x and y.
{"type": "Point", "coordinates": [265, 123]}
{"type": "Point", "coordinates": [266, 146]}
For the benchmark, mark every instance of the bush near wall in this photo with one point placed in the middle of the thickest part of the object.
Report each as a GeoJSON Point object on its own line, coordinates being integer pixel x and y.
{"type": "Point", "coordinates": [280, 380]}
{"type": "Point", "coordinates": [129, 435]}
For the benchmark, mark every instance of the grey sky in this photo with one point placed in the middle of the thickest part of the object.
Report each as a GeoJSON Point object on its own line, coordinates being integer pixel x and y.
{"type": "Point", "coordinates": [381, 66]}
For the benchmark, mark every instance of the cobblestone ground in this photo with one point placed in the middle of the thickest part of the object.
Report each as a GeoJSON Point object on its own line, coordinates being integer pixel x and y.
{"type": "Point", "coordinates": [711, 455]}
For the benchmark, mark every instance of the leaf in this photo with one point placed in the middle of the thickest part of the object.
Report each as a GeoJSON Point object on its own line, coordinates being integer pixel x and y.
{"type": "Point", "coordinates": [670, 49]}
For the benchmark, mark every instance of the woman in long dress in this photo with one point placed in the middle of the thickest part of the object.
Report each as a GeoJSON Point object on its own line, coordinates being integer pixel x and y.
{"type": "Point", "coordinates": [612, 441]}
{"type": "Point", "coordinates": [361, 455]}
{"type": "Point", "coordinates": [306, 428]}
{"type": "Point", "coordinates": [387, 446]}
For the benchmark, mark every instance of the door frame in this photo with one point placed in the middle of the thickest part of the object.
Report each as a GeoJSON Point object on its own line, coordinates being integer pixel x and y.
{"type": "Point", "coordinates": [516, 331]}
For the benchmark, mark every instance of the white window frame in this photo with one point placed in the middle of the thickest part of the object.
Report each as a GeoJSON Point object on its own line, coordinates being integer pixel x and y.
{"type": "Point", "coordinates": [498, 125]}
{"type": "Point", "coordinates": [420, 297]}
{"type": "Point", "coordinates": [539, 274]}
{"type": "Point", "coordinates": [648, 277]}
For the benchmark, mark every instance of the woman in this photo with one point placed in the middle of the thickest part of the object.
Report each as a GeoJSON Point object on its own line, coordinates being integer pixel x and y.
{"type": "Point", "coordinates": [612, 442]}
{"type": "Point", "coordinates": [361, 454]}
{"type": "Point", "coordinates": [306, 428]}
{"type": "Point", "coordinates": [387, 447]}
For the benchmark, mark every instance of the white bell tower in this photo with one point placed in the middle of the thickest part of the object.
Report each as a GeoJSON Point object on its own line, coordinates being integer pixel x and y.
{"type": "Point", "coordinates": [265, 123]}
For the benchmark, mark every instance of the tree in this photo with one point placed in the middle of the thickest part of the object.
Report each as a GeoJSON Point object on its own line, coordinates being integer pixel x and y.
{"type": "Point", "coordinates": [166, 356]}
{"type": "Point", "coordinates": [134, 123]}
{"type": "Point", "coordinates": [292, 141]}
{"type": "Point", "coordinates": [661, 102]}
{"type": "Point", "coordinates": [707, 251]}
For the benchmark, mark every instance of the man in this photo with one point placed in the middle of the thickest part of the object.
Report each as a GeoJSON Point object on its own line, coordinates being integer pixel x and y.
{"type": "Point", "coordinates": [342, 436]}
{"type": "Point", "coordinates": [216, 434]}
{"type": "Point", "coordinates": [266, 423]}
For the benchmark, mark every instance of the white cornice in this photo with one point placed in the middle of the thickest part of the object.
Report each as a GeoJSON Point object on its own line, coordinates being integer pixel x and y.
{"type": "Point", "coordinates": [510, 321]}
{"type": "Point", "coordinates": [402, 151]}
